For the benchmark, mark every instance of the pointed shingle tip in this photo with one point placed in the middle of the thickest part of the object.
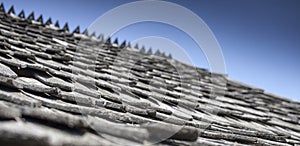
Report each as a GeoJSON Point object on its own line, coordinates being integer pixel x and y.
{"type": "Point", "coordinates": [11, 10]}
{"type": "Point", "coordinates": [101, 37]}
{"type": "Point", "coordinates": [157, 53]}
{"type": "Point", "coordinates": [57, 24]}
{"type": "Point", "coordinates": [108, 41]}
{"type": "Point", "coordinates": [116, 41]}
{"type": "Point", "coordinates": [93, 34]}
{"type": "Point", "coordinates": [129, 45]}
{"type": "Point", "coordinates": [40, 19]}
{"type": "Point", "coordinates": [123, 45]}
{"type": "Point", "coordinates": [143, 50]}
{"type": "Point", "coordinates": [150, 51]}
{"type": "Point", "coordinates": [2, 9]}
{"type": "Point", "coordinates": [31, 16]}
{"type": "Point", "coordinates": [22, 14]}
{"type": "Point", "coordinates": [136, 46]}
{"type": "Point", "coordinates": [49, 21]}
{"type": "Point", "coordinates": [66, 27]}
{"type": "Point", "coordinates": [77, 30]}
{"type": "Point", "coordinates": [85, 32]}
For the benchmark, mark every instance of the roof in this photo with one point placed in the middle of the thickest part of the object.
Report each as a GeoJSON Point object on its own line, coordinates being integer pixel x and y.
{"type": "Point", "coordinates": [64, 88]}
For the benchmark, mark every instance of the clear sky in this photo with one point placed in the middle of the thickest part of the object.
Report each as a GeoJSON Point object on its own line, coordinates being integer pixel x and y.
{"type": "Point", "coordinates": [260, 40]}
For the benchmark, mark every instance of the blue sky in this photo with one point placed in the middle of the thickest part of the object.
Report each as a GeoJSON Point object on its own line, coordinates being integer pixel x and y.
{"type": "Point", "coordinates": [260, 40]}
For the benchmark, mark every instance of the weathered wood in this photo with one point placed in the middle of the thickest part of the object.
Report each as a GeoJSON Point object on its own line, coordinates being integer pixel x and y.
{"type": "Point", "coordinates": [161, 131]}
{"type": "Point", "coordinates": [6, 71]}
{"type": "Point", "coordinates": [120, 130]}
{"type": "Point", "coordinates": [7, 112]}
{"type": "Point", "coordinates": [13, 133]}
{"type": "Point", "coordinates": [57, 88]}
{"type": "Point", "coordinates": [14, 96]}
{"type": "Point", "coordinates": [55, 116]}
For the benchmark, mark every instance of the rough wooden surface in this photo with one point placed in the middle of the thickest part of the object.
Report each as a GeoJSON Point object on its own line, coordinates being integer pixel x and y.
{"type": "Point", "coordinates": [62, 88]}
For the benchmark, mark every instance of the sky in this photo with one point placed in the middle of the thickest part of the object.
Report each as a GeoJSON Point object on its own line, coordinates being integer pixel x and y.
{"type": "Point", "coordinates": [260, 40]}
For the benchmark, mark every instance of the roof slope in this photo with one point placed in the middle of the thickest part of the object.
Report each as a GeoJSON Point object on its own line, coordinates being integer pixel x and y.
{"type": "Point", "coordinates": [62, 88]}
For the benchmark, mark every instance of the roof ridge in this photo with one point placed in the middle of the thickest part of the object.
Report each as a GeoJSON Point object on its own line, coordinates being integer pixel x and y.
{"type": "Point", "coordinates": [65, 29]}
{"type": "Point", "coordinates": [76, 30]}
{"type": "Point", "coordinates": [100, 37]}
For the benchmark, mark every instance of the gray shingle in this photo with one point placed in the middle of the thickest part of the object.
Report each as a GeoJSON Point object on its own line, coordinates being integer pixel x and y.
{"type": "Point", "coordinates": [6, 71]}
